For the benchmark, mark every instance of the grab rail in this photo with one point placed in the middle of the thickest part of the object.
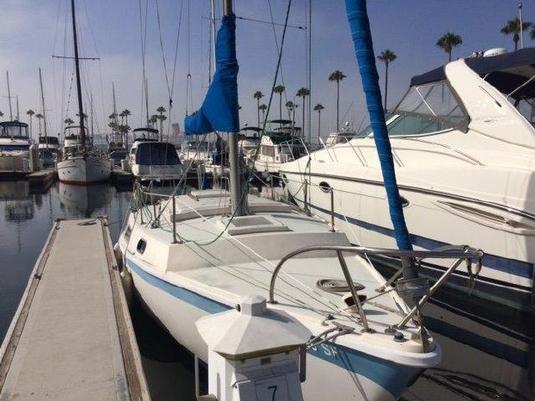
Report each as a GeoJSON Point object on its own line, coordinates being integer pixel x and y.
{"type": "Point", "coordinates": [461, 253]}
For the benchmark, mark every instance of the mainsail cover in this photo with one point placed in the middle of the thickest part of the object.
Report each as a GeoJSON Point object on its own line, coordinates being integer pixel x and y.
{"type": "Point", "coordinates": [219, 111]}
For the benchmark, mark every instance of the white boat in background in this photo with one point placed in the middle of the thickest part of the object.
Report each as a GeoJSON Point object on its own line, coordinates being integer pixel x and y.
{"type": "Point", "coordinates": [82, 165]}
{"type": "Point", "coordinates": [278, 145]}
{"type": "Point", "coordinates": [463, 144]}
{"type": "Point", "coordinates": [49, 150]}
{"type": "Point", "coordinates": [153, 161]}
{"type": "Point", "coordinates": [15, 152]}
{"type": "Point", "coordinates": [344, 135]}
{"type": "Point", "coordinates": [249, 142]}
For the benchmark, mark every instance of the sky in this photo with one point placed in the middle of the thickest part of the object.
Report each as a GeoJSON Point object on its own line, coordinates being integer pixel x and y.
{"type": "Point", "coordinates": [33, 30]}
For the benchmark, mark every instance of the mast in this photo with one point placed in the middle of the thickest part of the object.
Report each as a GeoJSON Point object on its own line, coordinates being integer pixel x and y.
{"type": "Point", "coordinates": [9, 96]}
{"type": "Point", "coordinates": [18, 115]}
{"type": "Point", "coordinates": [211, 63]}
{"type": "Point", "coordinates": [92, 114]}
{"type": "Point", "coordinates": [43, 105]}
{"type": "Point", "coordinates": [309, 73]}
{"type": "Point", "coordinates": [238, 208]}
{"type": "Point", "coordinates": [147, 99]}
{"type": "Point", "coordinates": [78, 82]}
{"type": "Point", "coordinates": [521, 22]}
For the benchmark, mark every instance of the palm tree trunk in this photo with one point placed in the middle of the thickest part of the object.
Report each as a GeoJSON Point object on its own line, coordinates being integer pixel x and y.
{"type": "Point", "coordinates": [280, 106]}
{"type": "Point", "coordinates": [449, 56]}
{"type": "Point", "coordinates": [39, 126]}
{"type": "Point", "coordinates": [258, 110]}
{"type": "Point", "coordinates": [31, 130]}
{"type": "Point", "coordinates": [303, 128]}
{"type": "Point", "coordinates": [516, 44]}
{"type": "Point", "coordinates": [263, 115]}
{"type": "Point", "coordinates": [386, 86]}
{"type": "Point", "coordinates": [337, 106]}
{"type": "Point", "coordinates": [319, 124]}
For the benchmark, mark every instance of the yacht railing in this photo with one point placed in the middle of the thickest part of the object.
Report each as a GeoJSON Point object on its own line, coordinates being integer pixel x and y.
{"type": "Point", "coordinates": [459, 253]}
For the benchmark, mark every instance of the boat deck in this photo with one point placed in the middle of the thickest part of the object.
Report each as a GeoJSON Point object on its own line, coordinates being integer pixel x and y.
{"type": "Point", "coordinates": [72, 338]}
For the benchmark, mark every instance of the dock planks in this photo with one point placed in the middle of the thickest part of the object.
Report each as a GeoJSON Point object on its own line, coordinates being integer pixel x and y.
{"type": "Point", "coordinates": [72, 338]}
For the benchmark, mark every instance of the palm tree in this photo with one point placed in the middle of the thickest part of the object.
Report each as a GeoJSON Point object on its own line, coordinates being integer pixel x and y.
{"type": "Point", "coordinates": [319, 108]}
{"type": "Point", "coordinates": [337, 76]}
{"type": "Point", "coordinates": [30, 113]}
{"type": "Point", "coordinates": [258, 95]}
{"type": "Point", "coordinates": [263, 108]}
{"type": "Point", "coordinates": [290, 106]}
{"type": "Point", "coordinates": [386, 56]}
{"type": "Point", "coordinates": [161, 110]}
{"type": "Point", "coordinates": [303, 92]}
{"type": "Point", "coordinates": [39, 117]}
{"type": "Point", "coordinates": [448, 41]}
{"type": "Point", "coordinates": [68, 121]}
{"type": "Point", "coordinates": [153, 119]}
{"type": "Point", "coordinates": [513, 27]}
{"type": "Point", "coordinates": [126, 113]}
{"type": "Point", "coordinates": [279, 89]}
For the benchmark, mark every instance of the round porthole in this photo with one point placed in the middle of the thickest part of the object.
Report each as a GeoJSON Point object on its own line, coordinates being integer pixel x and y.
{"type": "Point", "coordinates": [325, 187]}
{"type": "Point", "coordinates": [404, 201]}
{"type": "Point", "coordinates": [141, 245]}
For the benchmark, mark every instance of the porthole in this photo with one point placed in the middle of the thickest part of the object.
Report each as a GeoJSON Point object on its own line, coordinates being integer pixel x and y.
{"type": "Point", "coordinates": [141, 245]}
{"type": "Point", "coordinates": [325, 187]}
{"type": "Point", "coordinates": [404, 201]}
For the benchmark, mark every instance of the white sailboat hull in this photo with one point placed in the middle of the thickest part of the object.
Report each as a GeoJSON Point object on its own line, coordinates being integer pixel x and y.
{"type": "Point", "coordinates": [352, 375]}
{"type": "Point", "coordinates": [83, 170]}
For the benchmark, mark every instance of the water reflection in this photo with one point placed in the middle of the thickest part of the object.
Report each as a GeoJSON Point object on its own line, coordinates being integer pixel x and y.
{"type": "Point", "coordinates": [84, 200]}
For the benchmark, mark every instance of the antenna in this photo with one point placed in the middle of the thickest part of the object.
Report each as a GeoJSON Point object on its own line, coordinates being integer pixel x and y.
{"type": "Point", "coordinates": [521, 23]}
{"type": "Point", "coordinates": [18, 115]}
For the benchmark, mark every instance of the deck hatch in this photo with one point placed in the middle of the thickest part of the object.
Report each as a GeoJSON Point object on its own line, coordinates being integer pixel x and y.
{"type": "Point", "coordinates": [254, 224]}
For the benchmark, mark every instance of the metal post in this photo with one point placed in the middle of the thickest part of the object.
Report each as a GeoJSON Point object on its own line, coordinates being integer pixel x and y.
{"type": "Point", "coordinates": [332, 210]}
{"type": "Point", "coordinates": [353, 291]}
{"type": "Point", "coordinates": [174, 221]}
{"type": "Point", "coordinates": [197, 381]}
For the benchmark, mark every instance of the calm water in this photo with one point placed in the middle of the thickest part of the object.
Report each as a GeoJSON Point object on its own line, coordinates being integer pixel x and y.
{"type": "Point", "coordinates": [488, 352]}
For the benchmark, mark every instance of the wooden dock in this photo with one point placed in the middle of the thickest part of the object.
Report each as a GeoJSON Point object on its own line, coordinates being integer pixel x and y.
{"type": "Point", "coordinates": [72, 337]}
{"type": "Point", "coordinates": [42, 180]}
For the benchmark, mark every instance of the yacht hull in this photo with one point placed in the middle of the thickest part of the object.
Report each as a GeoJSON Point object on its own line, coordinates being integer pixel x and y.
{"type": "Point", "coordinates": [361, 211]}
{"type": "Point", "coordinates": [334, 372]}
{"type": "Point", "coordinates": [84, 170]}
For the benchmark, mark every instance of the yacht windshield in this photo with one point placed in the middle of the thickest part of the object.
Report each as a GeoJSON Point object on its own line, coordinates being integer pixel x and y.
{"type": "Point", "coordinates": [14, 130]}
{"type": "Point", "coordinates": [426, 109]}
{"type": "Point", "coordinates": [156, 154]}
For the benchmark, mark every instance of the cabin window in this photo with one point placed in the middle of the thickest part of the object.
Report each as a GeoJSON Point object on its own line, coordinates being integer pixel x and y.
{"type": "Point", "coordinates": [268, 151]}
{"type": "Point", "coordinates": [325, 187]}
{"type": "Point", "coordinates": [141, 245]}
{"type": "Point", "coordinates": [427, 109]}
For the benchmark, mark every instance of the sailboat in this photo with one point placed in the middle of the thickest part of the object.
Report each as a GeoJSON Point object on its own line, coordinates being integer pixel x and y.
{"type": "Point", "coordinates": [200, 254]}
{"type": "Point", "coordinates": [81, 163]}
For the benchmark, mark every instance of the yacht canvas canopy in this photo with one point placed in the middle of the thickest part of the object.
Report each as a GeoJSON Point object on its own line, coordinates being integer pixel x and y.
{"type": "Point", "coordinates": [506, 72]}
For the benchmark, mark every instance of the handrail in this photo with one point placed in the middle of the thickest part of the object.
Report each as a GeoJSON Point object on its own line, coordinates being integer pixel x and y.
{"type": "Point", "coordinates": [464, 252]}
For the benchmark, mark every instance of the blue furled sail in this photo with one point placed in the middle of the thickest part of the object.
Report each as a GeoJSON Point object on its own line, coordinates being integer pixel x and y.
{"type": "Point", "coordinates": [219, 111]}
{"type": "Point", "coordinates": [362, 40]}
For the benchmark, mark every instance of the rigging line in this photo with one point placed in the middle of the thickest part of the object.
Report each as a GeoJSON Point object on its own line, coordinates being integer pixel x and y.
{"type": "Point", "coordinates": [174, 69]}
{"type": "Point", "coordinates": [143, 38]}
{"type": "Point", "coordinates": [279, 51]}
{"type": "Point", "coordinates": [274, 78]}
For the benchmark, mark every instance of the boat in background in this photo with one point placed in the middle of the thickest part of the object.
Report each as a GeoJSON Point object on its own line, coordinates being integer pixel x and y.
{"type": "Point", "coordinates": [151, 160]}
{"type": "Point", "coordinates": [278, 145]}
{"type": "Point", "coordinates": [81, 163]}
{"type": "Point", "coordinates": [15, 149]}
{"type": "Point", "coordinates": [463, 142]}
{"type": "Point", "coordinates": [49, 150]}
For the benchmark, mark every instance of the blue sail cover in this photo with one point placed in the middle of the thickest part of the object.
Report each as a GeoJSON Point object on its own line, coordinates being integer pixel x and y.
{"type": "Point", "coordinates": [219, 112]}
{"type": "Point", "coordinates": [357, 16]}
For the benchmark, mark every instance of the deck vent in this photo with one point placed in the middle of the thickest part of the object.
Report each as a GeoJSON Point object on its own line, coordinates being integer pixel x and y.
{"type": "Point", "coordinates": [330, 285]}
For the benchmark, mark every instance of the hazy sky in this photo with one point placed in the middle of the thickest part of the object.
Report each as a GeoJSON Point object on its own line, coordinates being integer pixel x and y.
{"type": "Point", "coordinates": [32, 31]}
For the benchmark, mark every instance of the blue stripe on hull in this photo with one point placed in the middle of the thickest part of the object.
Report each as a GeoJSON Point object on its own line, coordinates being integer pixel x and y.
{"type": "Point", "coordinates": [390, 376]}
{"type": "Point", "coordinates": [512, 266]}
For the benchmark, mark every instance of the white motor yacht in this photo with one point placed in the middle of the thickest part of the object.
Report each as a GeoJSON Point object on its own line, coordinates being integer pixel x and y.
{"type": "Point", "coordinates": [15, 157]}
{"type": "Point", "coordinates": [154, 161]}
{"type": "Point", "coordinates": [280, 143]}
{"type": "Point", "coordinates": [463, 144]}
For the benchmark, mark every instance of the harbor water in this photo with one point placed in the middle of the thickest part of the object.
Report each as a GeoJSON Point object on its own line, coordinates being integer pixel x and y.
{"type": "Point", "coordinates": [488, 351]}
